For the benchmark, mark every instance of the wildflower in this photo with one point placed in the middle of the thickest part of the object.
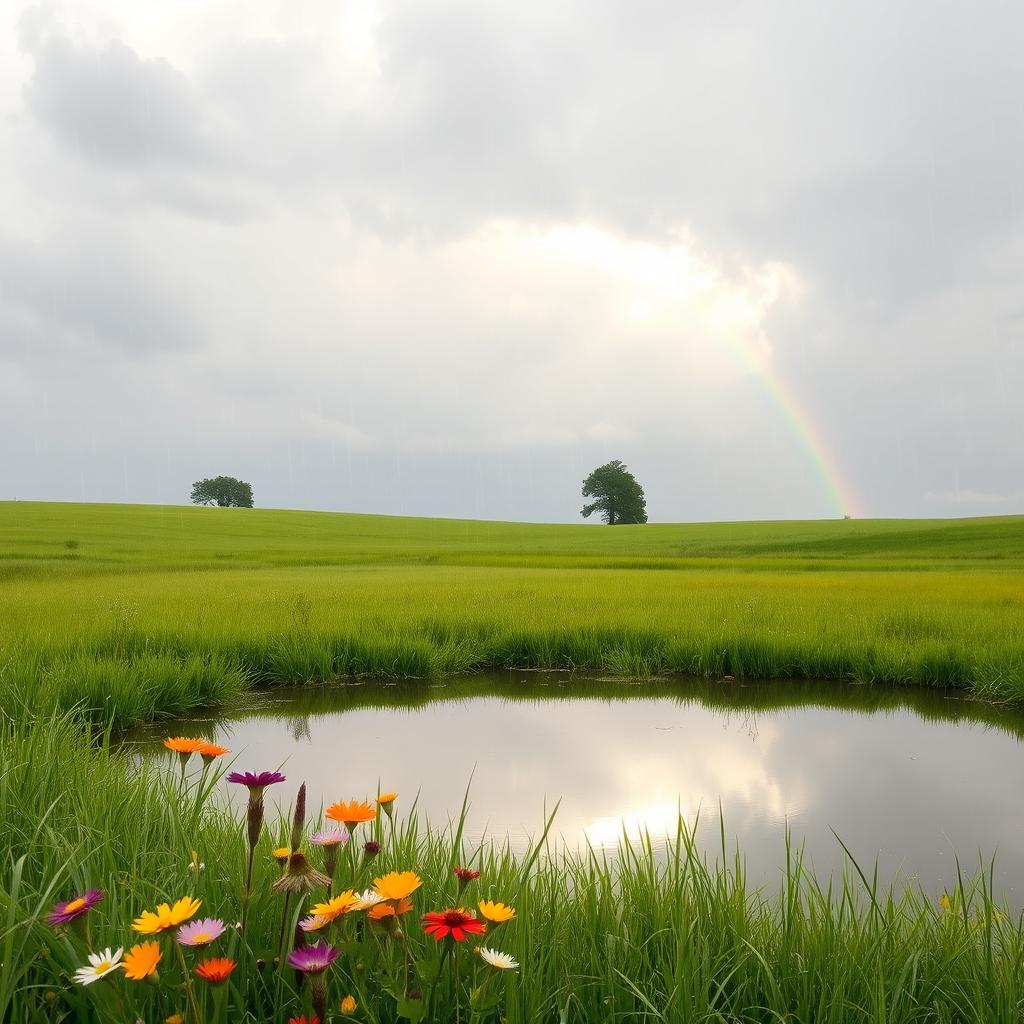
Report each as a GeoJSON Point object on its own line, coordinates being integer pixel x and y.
{"type": "Point", "coordinates": [351, 813]}
{"type": "Point", "coordinates": [256, 781]}
{"type": "Point", "coordinates": [455, 922]}
{"type": "Point", "coordinates": [175, 1018]}
{"type": "Point", "coordinates": [496, 913]}
{"type": "Point", "coordinates": [140, 961]}
{"type": "Point", "coordinates": [200, 933]}
{"type": "Point", "coordinates": [370, 850]}
{"type": "Point", "coordinates": [100, 965]}
{"type": "Point", "coordinates": [195, 865]}
{"type": "Point", "coordinates": [397, 885]}
{"type": "Point", "coordinates": [367, 899]}
{"type": "Point", "coordinates": [500, 960]}
{"type": "Point", "coordinates": [281, 855]}
{"type": "Point", "coordinates": [313, 959]}
{"type": "Point", "coordinates": [386, 801]}
{"type": "Point", "coordinates": [208, 751]}
{"type": "Point", "coordinates": [945, 902]}
{"type": "Point", "coordinates": [314, 923]}
{"type": "Point", "coordinates": [184, 746]}
{"type": "Point", "coordinates": [216, 970]}
{"type": "Point", "coordinates": [385, 910]}
{"type": "Point", "coordinates": [68, 910]}
{"type": "Point", "coordinates": [329, 837]}
{"type": "Point", "coordinates": [465, 876]}
{"type": "Point", "coordinates": [348, 1005]}
{"type": "Point", "coordinates": [303, 1020]}
{"type": "Point", "coordinates": [166, 917]}
{"type": "Point", "coordinates": [335, 906]}
{"type": "Point", "coordinates": [300, 876]}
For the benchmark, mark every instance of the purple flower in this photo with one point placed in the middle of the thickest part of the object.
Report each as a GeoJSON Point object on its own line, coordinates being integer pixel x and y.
{"type": "Point", "coordinates": [68, 910]}
{"type": "Point", "coordinates": [200, 933]}
{"type": "Point", "coordinates": [329, 837]}
{"type": "Point", "coordinates": [312, 959]}
{"type": "Point", "coordinates": [256, 780]}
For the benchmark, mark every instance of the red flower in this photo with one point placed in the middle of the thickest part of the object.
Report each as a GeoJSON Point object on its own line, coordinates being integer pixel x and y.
{"type": "Point", "coordinates": [454, 922]}
{"type": "Point", "coordinates": [303, 1020]}
{"type": "Point", "coordinates": [215, 970]}
{"type": "Point", "coordinates": [466, 874]}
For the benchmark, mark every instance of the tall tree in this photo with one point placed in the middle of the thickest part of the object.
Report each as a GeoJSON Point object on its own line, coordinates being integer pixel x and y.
{"type": "Point", "coordinates": [225, 491]}
{"type": "Point", "coordinates": [616, 493]}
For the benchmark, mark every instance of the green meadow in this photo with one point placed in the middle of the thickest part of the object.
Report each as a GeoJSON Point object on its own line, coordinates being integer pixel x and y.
{"type": "Point", "coordinates": [136, 612]}
{"type": "Point", "coordinates": [112, 615]}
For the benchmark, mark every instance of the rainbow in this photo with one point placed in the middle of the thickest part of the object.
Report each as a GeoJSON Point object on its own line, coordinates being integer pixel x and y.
{"type": "Point", "coordinates": [826, 466]}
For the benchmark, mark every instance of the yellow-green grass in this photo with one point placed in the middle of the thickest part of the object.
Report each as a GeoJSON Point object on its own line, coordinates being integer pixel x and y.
{"type": "Point", "coordinates": [145, 610]}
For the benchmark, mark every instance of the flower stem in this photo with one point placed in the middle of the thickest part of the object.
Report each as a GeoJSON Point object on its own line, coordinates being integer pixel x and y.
{"type": "Point", "coordinates": [284, 922]}
{"type": "Point", "coordinates": [189, 991]}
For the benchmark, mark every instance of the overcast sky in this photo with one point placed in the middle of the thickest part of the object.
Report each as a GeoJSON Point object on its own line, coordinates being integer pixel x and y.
{"type": "Point", "coordinates": [444, 257]}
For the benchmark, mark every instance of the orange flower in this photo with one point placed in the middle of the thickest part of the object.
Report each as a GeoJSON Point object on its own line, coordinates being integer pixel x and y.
{"type": "Point", "coordinates": [348, 1006]}
{"type": "Point", "coordinates": [208, 751]}
{"type": "Point", "coordinates": [140, 961]}
{"type": "Point", "coordinates": [216, 970]}
{"type": "Point", "coordinates": [384, 910]}
{"type": "Point", "coordinates": [351, 812]}
{"type": "Point", "coordinates": [183, 744]}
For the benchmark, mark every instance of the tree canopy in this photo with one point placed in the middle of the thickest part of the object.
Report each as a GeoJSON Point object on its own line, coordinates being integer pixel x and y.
{"type": "Point", "coordinates": [225, 491]}
{"type": "Point", "coordinates": [617, 495]}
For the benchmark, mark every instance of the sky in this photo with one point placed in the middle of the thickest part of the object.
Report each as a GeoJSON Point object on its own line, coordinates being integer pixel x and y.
{"type": "Point", "coordinates": [445, 257]}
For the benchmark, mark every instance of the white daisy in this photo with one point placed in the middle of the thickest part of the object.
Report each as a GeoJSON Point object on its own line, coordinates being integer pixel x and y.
{"type": "Point", "coordinates": [100, 965]}
{"type": "Point", "coordinates": [500, 960]}
{"type": "Point", "coordinates": [367, 900]}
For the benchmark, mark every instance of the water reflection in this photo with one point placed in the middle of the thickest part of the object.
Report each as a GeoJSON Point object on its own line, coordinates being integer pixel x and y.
{"type": "Point", "coordinates": [909, 777]}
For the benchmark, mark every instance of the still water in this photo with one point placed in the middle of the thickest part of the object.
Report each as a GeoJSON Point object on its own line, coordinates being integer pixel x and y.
{"type": "Point", "coordinates": [909, 778]}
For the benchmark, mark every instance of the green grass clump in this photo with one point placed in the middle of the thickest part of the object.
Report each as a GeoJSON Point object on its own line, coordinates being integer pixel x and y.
{"type": "Point", "coordinates": [642, 936]}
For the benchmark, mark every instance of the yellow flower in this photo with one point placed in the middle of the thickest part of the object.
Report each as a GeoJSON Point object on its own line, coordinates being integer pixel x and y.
{"type": "Point", "coordinates": [387, 798]}
{"type": "Point", "coordinates": [944, 901]}
{"type": "Point", "coordinates": [334, 907]}
{"type": "Point", "coordinates": [140, 961]}
{"type": "Point", "coordinates": [175, 1018]}
{"type": "Point", "coordinates": [398, 885]}
{"type": "Point", "coordinates": [495, 912]}
{"type": "Point", "coordinates": [281, 854]}
{"type": "Point", "coordinates": [166, 917]}
{"type": "Point", "coordinates": [348, 1006]}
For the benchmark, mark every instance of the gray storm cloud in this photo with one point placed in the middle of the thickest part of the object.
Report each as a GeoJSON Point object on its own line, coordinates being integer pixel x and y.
{"type": "Point", "coordinates": [444, 257]}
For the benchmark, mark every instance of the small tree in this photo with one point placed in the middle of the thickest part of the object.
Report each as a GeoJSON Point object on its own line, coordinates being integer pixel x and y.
{"type": "Point", "coordinates": [618, 496]}
{"type": "Point", "coordinates": [225, 491]}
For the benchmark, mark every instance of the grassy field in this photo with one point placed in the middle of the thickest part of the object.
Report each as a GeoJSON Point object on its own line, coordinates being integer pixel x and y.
{"type": "Point", "coordinates": [142, 611]}
{"type": "Point", "coordinates": [130, 613]}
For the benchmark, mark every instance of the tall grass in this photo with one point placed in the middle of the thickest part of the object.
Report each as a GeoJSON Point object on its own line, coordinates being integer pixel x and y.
{"type": "Point", "coordinates": [645, 936]}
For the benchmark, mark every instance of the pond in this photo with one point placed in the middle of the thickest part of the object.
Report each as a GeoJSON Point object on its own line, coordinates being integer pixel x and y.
{"type": "Point", "coordinates": [911, 778]}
